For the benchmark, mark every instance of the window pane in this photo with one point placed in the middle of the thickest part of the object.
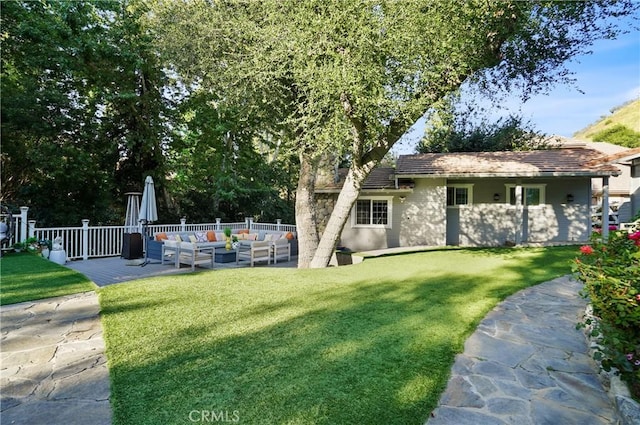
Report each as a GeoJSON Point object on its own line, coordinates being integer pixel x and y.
{"type": "Point", "coordinates": [363, 212]}
{"type": "Point", "coordinates": [462, 196]}
{"type": "Point", "coordinates": [532, 195]}
{"type": "Point", "coordinates": [451, 196]}
{"type": "Point", "coordinates": [379, 212]}
{"type": "Point", "coordinates": [512, 195]}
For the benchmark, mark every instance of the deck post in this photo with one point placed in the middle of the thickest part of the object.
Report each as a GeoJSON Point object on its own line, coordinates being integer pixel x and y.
{"type": "Point", "coordinates": [85, 239]}
{"type": "Point", "coordinates": [278, 224]}
{"type": "Point", "coordinates": [23, 224]}
{"type": "Point", "coordinates": [218, 221]}
{"type": "Point", "coordinates": [32, 228]}
{"type": "Point", "coordinates": [605, 208]}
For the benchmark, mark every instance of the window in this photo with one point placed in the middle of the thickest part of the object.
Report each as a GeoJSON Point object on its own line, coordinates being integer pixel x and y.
{"type": "Point", "coordinates": [461, 194]}
{"type": "Point", "coordinates": [373, 212]}
{"type": "Point", "coordinates": [532, 194]}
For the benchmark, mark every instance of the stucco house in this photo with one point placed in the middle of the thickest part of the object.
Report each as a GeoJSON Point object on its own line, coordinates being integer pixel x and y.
{"type": "Point", "coordinates": [628, 161]}
{"type": "Point", "coordinates": [473, 199]}
{"type": "Point", "coordinates": [621, 187]}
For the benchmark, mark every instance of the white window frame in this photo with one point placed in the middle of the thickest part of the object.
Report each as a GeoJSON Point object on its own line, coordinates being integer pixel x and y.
{"type": "Point", "coordinates": [539, 186]}
{"type": "Point", "coordinates": [389, 200]}
{"type": "Point", "coordinates": [468, 186]}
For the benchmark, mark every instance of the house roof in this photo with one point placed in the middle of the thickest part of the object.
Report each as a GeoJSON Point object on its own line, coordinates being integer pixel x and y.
{"type": "Point", "coordinates": [620, 157]}
{"type": "Point", "coordinates": [567, 162]}
{"type": "Point", "coordinates": [552, 162]}
{"type": "Point", "coordinates": [380, 179]}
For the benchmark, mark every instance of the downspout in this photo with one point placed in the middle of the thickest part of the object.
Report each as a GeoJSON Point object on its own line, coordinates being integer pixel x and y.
{"type": "Point", "coordinates": [605, 208]}
{"type": "Point", "coordinates": [519, 213]}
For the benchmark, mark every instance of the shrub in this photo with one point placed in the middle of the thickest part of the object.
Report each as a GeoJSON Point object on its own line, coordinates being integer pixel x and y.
{"type": "Point", "coordinates": [610, 271]}
{"type": "Point", "coordinates": [619, 135]}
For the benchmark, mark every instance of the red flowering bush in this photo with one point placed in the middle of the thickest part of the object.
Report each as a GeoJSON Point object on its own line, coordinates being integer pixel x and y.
{"type": "Point", "coordinates": [610, 271]}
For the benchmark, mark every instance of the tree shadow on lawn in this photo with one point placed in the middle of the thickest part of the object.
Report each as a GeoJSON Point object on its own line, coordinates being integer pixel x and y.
{"type": "Point", "coordinates": [366, 352]}
{"type": "Point", "coordinates": [319, 367]}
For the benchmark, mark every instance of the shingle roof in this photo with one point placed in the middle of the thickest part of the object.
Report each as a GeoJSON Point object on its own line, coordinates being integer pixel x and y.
{"type": "Point", "coordinates": [379, 179]}
{"type": "Point", "coordinates": [552, 162]}
{"type": "Point", "coordinates": [626, 155]}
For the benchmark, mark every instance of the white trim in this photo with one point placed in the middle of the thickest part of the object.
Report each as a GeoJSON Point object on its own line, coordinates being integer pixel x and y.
{"type": "Point", "coordinates": [468, 186]}
{"type": "Point", "coordinates": [541, 186]}
{"type": "Point", "coordinates": [389, 200]}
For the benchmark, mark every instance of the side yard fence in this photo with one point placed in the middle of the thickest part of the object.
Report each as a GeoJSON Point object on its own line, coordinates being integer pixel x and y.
{"type": "Point", "coordinates": [85, 241]}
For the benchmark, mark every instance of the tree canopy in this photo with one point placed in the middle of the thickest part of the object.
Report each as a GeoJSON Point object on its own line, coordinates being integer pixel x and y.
{"type": "Point", "coordinates": [227, 103]}
{"type": "Point", "coordinates": [88, 110]}
{"type": "Point", "coordinates": [349, 78]}
{"type": "Point", "coordinates": [463, 127]}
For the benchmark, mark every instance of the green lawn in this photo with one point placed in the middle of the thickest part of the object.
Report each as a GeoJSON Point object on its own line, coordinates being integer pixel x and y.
{"type": "Point", "coordinates": [27, 277]}
{"type": "Point", "coordinates": [362, 344]}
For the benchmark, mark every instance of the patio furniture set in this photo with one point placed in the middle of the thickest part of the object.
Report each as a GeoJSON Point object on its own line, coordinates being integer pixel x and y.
{"type": "Point", "coordinates": [209, 247]}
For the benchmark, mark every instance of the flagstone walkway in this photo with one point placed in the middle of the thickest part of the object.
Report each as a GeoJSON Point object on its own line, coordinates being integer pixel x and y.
{"type": "Point", "coordinates": [54, 369]}
{"type": "Point", "coordinates": [527, 364]}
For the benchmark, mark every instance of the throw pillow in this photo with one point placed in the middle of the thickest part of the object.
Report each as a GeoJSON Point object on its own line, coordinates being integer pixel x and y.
{"type": "Point", "coordinates": [251, 236]}
{"type": "Point", "coordinates": [193, 239]}
{"type": "Point", "coordinates": [243, 231]}
{"type": "Point", "coordinates": [178, 238]}
{"type": "Point", "coordinates": [201, 237]}
{"type": "Point", "coordinates": [211, 236]}
{"type": "Point", "coordinates": [289, 236]}
{"type": "Point", "coordinates": [161, 236]}
{"type": "Point", "coordinates": [268, 237]}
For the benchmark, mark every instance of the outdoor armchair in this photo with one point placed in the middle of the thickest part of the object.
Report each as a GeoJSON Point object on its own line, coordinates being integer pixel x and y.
{"type": "Point", "coordinates": [192, 254]}
{"type": "Point", "coordinates": [281, 248]}
{"type": "Point", "coordinates": [169, 252]}
{"type": "Point", "coordinates": [254, 251]}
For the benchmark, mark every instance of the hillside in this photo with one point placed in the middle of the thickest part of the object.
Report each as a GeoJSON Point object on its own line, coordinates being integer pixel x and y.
{"type": "Point", "coordinates": [622, 127]}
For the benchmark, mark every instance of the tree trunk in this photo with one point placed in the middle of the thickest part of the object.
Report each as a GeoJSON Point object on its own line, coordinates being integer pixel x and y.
{"type": "Point", "coordinates": [306, 213]}
{"type": "Point", "coordinates": [340, 214]}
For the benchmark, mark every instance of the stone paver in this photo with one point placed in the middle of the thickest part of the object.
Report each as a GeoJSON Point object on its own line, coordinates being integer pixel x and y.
{"type": "Point", "coordinates": [112, 270]}
{"type": "Point", "coordinates": [53, 366]}
{"type": "Point", "coordinates": [527, 364]}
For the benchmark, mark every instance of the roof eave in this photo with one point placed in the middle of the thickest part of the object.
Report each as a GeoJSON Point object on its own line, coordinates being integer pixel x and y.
{"type": "Point", "coordinates": [506, 175]}
{"type": "Point", "coordinates": [367, 190]}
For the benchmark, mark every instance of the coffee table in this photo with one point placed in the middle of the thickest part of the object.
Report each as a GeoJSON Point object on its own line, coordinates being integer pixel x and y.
{"type": "Point", "coordinates": [224, 256]}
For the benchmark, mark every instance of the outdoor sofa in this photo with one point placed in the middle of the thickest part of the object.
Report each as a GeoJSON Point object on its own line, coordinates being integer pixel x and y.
{"type": "Point", "coordinates": [217, 239]}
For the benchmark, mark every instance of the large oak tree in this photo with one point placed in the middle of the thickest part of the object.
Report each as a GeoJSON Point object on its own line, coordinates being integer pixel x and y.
{"type": "Point", "coordinates": [350, 77]}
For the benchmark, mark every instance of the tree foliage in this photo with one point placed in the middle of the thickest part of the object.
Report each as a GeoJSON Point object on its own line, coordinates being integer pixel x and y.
{"type": "Point", "coordinates": [619, 135]}
{"type": "Point", "coordinates": [88, 111]}
{"type": "Point", "coordinates": [82, 110]}
{"type": "Point", "coordinates": [451, 129]}
{"type": "Point", "coordinates": [349, 78]}
{"type": "Point", "coordinates": [48, 107]}
{"type": "Point", "coordinates": [224, 166]}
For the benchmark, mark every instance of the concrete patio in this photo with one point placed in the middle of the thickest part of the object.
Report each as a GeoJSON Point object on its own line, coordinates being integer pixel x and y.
{"type": "Point", "coordinates": [110, 270]}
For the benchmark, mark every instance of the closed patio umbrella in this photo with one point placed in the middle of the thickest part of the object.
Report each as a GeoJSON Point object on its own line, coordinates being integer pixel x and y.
{"type": "Point", "coordinates": [148, 210]}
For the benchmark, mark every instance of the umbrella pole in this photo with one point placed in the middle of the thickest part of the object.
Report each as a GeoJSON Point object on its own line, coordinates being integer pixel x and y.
{"type": "Point", "coordinates": [146, 243]}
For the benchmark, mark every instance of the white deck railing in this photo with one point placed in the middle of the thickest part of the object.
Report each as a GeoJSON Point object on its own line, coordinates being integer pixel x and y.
{"type": "Point", "coordinates": [87, 241]}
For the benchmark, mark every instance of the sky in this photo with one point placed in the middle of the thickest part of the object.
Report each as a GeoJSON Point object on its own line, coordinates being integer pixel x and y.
{"type": "Point", "coordinates": [609, 77]}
